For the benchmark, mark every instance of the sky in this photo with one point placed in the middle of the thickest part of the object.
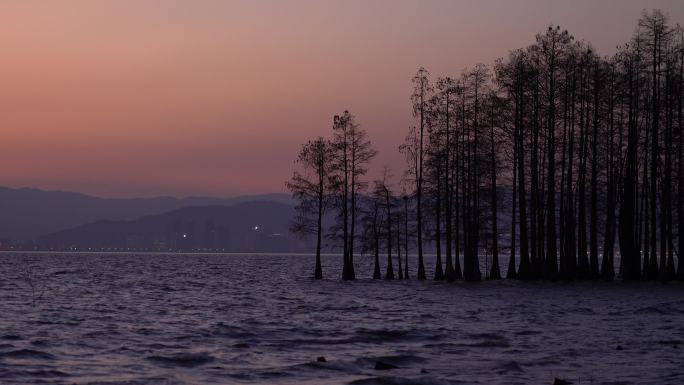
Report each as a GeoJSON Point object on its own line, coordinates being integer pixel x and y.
{"type": "Point", "coordinates": [134, 98]}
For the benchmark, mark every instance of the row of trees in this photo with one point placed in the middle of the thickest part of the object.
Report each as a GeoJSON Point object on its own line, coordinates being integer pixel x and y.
{"type": "Point", "coordinates": [583, 152]}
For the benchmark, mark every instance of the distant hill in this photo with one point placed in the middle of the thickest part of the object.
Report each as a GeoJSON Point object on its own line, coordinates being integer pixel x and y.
{"type": "Point", "coordinates": [258, 226]}
{"type": "Point", "coordinates": [27, 213]}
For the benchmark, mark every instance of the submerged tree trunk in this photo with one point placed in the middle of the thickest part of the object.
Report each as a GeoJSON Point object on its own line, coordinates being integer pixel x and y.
{"type": "Point", "coordinates": [439, 272]}
{"type": "Point", "coordinates": [607, 264]}
{"type": "Point", "coordinates": [376, 242]}
{"type": "Point", "coordinates": [449, 273]}
{"type": "Point", "coordinates": [592, 272]}
{"type": "Point", "coordinates": [419, 190]}
{"type": "Point", "coordinates": [551, 265]}
{"type": "Point", "coordinates": [400, 272]}
{"type": "Point", "coordinates": [318, 273]}
{"type": "Point", "coordinates": [495, 272]}
{"type": "Point", "coordinates": [627, 226]}
{"type": "Point", "coordinates": [680, 171]}
{"type": "Point", "coordinates": [390, 270]}
{"type": "Point", "coordinates": [511, 273]}
{"type": "Point", "coordinates": [406, 237]}
{"type": "Point", "coordinates": [655, 157]}
{"type": "Point", "coordinates": [458, 273]}
{"type": "Point", "coordinates": [525, 269]}
{"type": "Point", "coordinates": [667, 270]}
{"type": "Point", "coordinates": [351, 274]}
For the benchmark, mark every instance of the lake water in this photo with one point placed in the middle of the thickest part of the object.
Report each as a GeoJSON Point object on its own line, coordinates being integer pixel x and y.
{"type": "Point", "coordinates": [230, 319]}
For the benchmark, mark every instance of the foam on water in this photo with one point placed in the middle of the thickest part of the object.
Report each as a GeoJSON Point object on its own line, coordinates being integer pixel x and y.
{"type": "Point", "coordinates": [223, 319]}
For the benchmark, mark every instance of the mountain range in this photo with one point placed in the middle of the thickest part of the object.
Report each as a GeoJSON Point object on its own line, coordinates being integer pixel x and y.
{"type": "Point", "coordinates": [254, 226]}
{"type": "Point", "coordinates": [28, 215]}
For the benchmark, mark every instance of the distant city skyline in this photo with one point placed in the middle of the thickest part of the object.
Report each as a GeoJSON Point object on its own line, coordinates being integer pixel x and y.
{"type": "Point", "coordinates": [172, 98]}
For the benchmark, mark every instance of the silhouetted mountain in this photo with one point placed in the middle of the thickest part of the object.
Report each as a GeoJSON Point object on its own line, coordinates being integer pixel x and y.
{"type": "Point", "coordinates": [259, 226]}
{"type": "Point", "coordinates": [27, 213]}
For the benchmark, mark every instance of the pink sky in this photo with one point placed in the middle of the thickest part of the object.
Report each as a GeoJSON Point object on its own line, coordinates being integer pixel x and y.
{"type": "Point", "coordinates": [145, 98]}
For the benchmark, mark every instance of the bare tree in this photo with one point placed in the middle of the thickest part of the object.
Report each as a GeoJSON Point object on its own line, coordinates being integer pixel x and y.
{"type": "Point", "coordinates": [352, 153]}
{"type": "Point", "coordinates": [420, 97]}
{"type": "Point", "coordinates": [310, 187]}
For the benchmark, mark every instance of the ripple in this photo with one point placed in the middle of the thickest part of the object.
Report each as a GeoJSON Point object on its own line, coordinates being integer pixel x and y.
{"type": "Point", "coordinates": [183, 359]}
{"type": "Point", "coordinates": [27, 354]}
{"type": "Point", "coordinates": [223, 319]}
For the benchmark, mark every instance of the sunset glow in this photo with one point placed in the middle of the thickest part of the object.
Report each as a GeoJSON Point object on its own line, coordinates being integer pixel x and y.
{"type": "Point", "coordinates": [146, 98]}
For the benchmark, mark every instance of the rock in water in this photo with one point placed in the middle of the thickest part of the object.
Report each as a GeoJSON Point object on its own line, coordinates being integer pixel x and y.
{"type": "Point", "coordinates": [379, 365]}
{"type": "Point", "coordinates": [558, 381]}
{"type": "Point", "coordinates": [321, 359]}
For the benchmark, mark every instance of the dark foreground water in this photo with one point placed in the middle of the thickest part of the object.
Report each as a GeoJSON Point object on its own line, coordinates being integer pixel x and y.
{"type": "Point", "coordinates": [205, 319]}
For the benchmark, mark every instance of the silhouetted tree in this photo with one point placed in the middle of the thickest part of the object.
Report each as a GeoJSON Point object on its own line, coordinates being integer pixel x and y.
{"type": "Point", "coordinates": [383, 193]}
{"type": "Point", "coordinates": [433, 179]}
{"type": "Point", "coordinates": [680, 158]}
{"type": "Point", "coordinates": [352, 152]}
{"type": "Point", "coordinates": [592, 149]}
{"type": "Point", "coordinates": [446, 99]}
{"type": "Point", "coordinates": [370, 238]}
{"type": "Point", "coordinates": [310, 188]}
{"type": "Point", "coordinates": [551, 48]}
{"type": "Point", "coordinates": [495, 272]}
{"type": "Point", "coordinates": [406, 236]}
{"type": "Point", "coordinates": [420, 97]}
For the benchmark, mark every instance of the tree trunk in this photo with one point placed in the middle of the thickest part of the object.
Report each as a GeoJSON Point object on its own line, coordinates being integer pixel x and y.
{"type": "Point", "coordinates": [400, 272]}
{"type": "Point", "coordinates": [390, 270]}
{"type": "Point", "coordinates": [511, 273]}
{"type": "Point", "coordinates": [680, 172]}
{"type": "Point", "coordinates": [318, 273]}
{"type": "Point", "coordinates": [592, 272]}
{"type": "Point", "coordinates": [495, 272]}
{"type": "Point", "coordinates": [419, 195]}
{"type": "Point", "coordinates": [449, 273]}
{"type": "Point", "coordinates": [439, 272]}
{"type": "Point", "coordinates": [406, 238]}
{"type": "Point", "coordinates": [524, 271]}
{"type": "Point", "coordinates": [376, 243]}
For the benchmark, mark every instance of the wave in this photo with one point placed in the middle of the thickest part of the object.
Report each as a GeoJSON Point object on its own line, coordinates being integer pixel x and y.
{"type": "Point", "coordinates": [396, 360]}
{"type": "Point", "coordinates": [660, 309]}
{"type": "Point", "coordinates": [11, 337]}
{"type": "Point", "coordinates": [183, 359]}
{"type": "Point", "coordinates": [488, 340]}
{"type": "Point", "coordinates": [27, 354]}
{"type": "Point", "coordinates": [47, 373]}
{"type": "Point", "coordinates": [388, 380]}
{"type": "Point", "coordinates": [383, 334]}
{"type": "Point", "coordinates": [510, 366]}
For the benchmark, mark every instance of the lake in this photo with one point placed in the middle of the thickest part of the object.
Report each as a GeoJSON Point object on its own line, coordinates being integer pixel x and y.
{"type": "Point", "coordinates": [251, 319]}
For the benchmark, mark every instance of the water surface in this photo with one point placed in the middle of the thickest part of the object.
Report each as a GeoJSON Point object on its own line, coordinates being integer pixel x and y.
{"type": "Point", "coordinates": [231, 319]}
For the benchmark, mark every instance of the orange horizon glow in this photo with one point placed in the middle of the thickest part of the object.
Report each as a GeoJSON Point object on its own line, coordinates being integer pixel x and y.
{"type": "Point", "coordinates": [148, 98]}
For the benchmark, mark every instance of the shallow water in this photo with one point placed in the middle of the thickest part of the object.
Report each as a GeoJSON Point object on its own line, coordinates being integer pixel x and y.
{"type": "Point", "coordinates": [224, 319]}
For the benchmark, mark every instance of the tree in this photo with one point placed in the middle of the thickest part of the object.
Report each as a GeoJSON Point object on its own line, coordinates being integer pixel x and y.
{"type": "Point", "coordinates": [352, 153]}
{"type": "Point", "coordinates": [680, 158]}
{"type": "Point", "coordinates": [495, 272]}
{"type": "Point", "coordinates": [406, 236]}
{"type": "Point", "coordinates": [445, 100]}
{"type": "Point", "coordinates": [419, 98]}
{"type": "Point", "coordinates": [592, 148]}
{"type": "Point", "coordinates": [513, 78]}
{"type": "Point", "coordinates": [371, 233]}
{"type": "Point", "coordinates": [551, 47]}
{"type": "Point", "coordinates": [310, 188]}
{"type": "Point", "coordinates": [434, 165]}
{"type": "Point", "coordinates": [383, 194]}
